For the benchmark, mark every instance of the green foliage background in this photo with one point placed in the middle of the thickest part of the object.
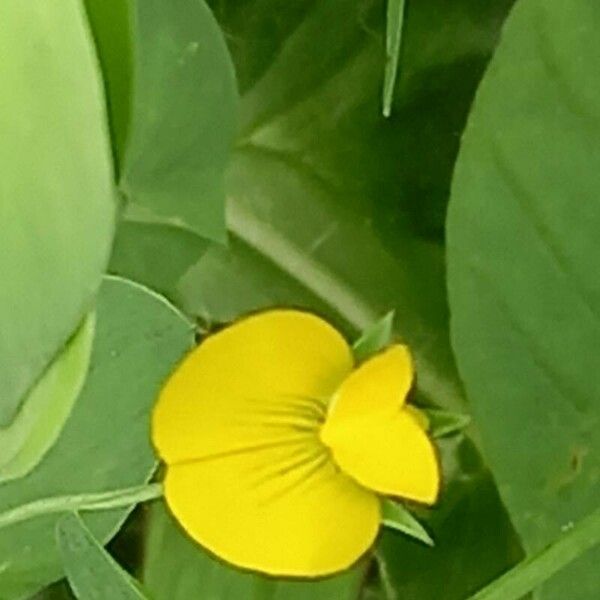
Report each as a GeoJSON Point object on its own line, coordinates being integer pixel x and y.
{"type": "Point", "coordinates": [243, 146]}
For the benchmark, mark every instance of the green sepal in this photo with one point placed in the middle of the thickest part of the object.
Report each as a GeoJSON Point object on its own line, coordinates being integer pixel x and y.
{"type": "Point", "coordinates": [374, 338]}
{"type": "Point", "coordinates": [395, 516]}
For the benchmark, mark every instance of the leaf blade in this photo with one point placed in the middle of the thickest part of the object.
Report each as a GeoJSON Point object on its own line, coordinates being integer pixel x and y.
{"type": "Point", "coordinates": [92, 573]}
{"type": "Point", "coordinates": [393, 45]}
{"type": "Point", "coordinates": [525, 314]}
{"type": "Point", "coordinates": [56, 102]}
{"type": "Point", "coordinates": [182, 72]}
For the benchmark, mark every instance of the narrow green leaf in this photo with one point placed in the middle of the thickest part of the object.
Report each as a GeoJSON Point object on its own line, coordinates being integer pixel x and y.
{"type": "Point", "coordinates": [45, 409]}
{"type": "Point", "coordinates": [393, 46]}
{"type": "Point", "coordinates": [374, 338]}
{"type": "Point", "coordinates": [533, 571]}
{"type": "Point", "coordinates": [395, 516]}
{"type": "Point", "coordinates": [444, 422]}
{"type": "Point", "coordinates": [92, 573]}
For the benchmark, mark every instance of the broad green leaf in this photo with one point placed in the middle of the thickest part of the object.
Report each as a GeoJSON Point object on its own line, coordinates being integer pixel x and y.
{"type": "Point", "coordinates": [182, 115]}
{"type": "Point", "coordinates": [393, 46]}
{"type": "Point", "coordinates": [524, 273]}
{"type": "Point", "coordinates": [473, 536]}
{"type": "Point", "coordinates": [56, 198]}
{"type": "Point", "coordinates": [92, 573]}
{"type": "Point", "coordinates": [176, 568]}
{"type": "Point", "coordinates": [374, 338]}
{"type": "Point", "coordinates": [395, 516]}
{"type": "Point", "coordinates": [47, 406]}
{"type": "Point", "coordinates": [105, 443]}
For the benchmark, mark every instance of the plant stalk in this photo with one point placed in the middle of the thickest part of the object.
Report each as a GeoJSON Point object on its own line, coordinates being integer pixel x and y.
{"type": "Point", "coordinates": [81, 502]}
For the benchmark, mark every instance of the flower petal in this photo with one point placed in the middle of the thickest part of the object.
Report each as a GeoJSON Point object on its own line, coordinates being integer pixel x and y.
{"type": "Point", "coordinates": [284, 510]}
{"type": "Point", "coordinates": [264, 379]}
{"type": "Point", "coordinates": [375, 438]}
{"type": "Point", "coordinates": [389, 454]}
{"type": "Point", "coordinates": [379, 385]}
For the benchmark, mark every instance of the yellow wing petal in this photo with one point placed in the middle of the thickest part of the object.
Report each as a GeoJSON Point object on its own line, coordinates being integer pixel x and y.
{"type": "Point", "coordinates": [390, 455]}
{"type": "Point", "coordinates": [373, 436]}
{"type": "Point", "coordinates": [378, 385]}
{"type": "Point", "coordinates": [284, 511]}
{"type": "Point", "coordinates": [264, 379]}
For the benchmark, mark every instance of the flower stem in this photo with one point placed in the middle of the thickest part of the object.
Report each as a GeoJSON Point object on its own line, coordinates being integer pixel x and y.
{"type": "Point", "coordinates": [81, 502]}
{"type": "Point", "coordinates": [533, 571]}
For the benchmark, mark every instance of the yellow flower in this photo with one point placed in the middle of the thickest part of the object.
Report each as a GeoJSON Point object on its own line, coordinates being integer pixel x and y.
{"type": "Point", "coordinates": [277, 448]}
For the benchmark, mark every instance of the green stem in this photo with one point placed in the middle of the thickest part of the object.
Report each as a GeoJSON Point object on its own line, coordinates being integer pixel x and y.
{"type": "Point", "coordinates": [81, 502]}
{"type": "Point", "coordinates": [533, 571]}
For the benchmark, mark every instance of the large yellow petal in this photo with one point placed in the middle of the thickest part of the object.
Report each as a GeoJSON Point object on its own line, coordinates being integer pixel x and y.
{"type": "Point", "coordinates": [265, 379]}
{"type": "Point", "coordinates": [284, 510]}
{"type": "Point", "coordinates": [375, 438]}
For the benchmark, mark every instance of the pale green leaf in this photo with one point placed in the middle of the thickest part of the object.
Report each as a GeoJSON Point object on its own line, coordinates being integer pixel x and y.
{"type": "Point", "coordinates": [57, 196]}
{"type": "Point", "coordinates": [46, 407]}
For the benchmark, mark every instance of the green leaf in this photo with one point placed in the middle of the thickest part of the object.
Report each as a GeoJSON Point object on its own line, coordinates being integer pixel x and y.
{"type": "Point", "coordinates": [374, 338]}
{"type": "Point", "coordinates": [46, 407]}
{"type": "Point", "coordinates": [393, 46]}
{"type": "Point", "coordinates": [56, 198]}
{"type": "Point", "coordinates": [395, 516]}
{"type": "Point", "coordinates": [182, 116]}
{"type": "Point", "coordinates": [105, 443]}
{"type": "Point", "coordinates": [176, 568]}
{"type": "Point", "coordinates": [524, 274]}
{"type": "Point", "coordinates": [155, 255]}
{"type": "Point", "coordinates": [443, 423]}
{"type": "Point", "coordinates": [92, 573]}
